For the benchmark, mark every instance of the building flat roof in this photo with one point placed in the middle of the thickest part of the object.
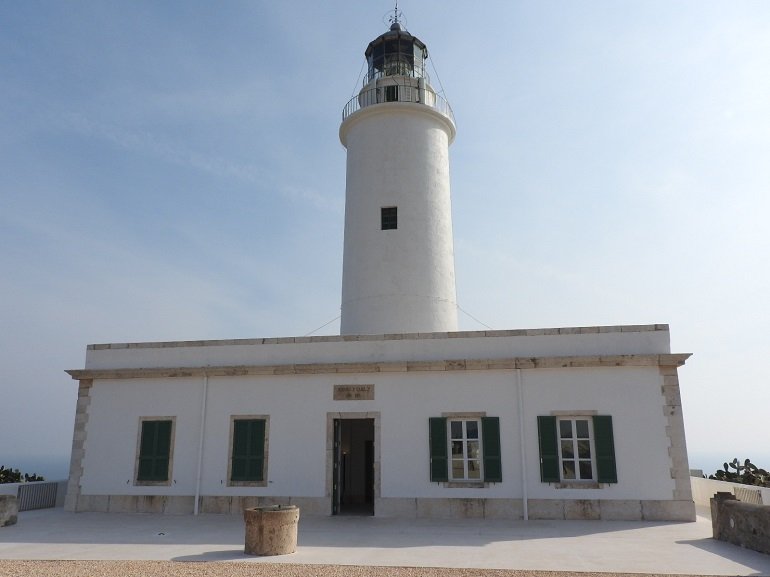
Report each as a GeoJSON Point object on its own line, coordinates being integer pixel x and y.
{"type": "Point", "coordinates": [526, 348]}
{"type": "Point", "coordinates": [387, 337]}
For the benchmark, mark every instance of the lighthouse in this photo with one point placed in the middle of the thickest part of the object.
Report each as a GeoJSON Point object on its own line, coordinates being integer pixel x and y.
{"type": "Point", "coordinates": [398, 264]}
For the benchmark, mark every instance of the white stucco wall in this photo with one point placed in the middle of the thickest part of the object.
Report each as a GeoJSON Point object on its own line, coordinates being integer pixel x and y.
{"type": "Point", "coordinates": [632, 396]}
{"type": "Point", "coordinates": [113, 432]}
{"type": "Point", "coordinates": [298, 405]}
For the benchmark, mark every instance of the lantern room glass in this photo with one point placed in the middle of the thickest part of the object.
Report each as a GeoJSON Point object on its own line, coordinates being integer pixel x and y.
{"type": "Point", "coordinates": [396, 53]}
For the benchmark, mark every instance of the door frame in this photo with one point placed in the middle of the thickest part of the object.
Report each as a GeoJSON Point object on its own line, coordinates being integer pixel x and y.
{"type": "Point", "coordinates": [331, 432]}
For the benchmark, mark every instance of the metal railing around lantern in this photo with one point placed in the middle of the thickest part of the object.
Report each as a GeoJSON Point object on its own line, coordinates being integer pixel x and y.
{"type": "Point", "coordinates": [398, 93]}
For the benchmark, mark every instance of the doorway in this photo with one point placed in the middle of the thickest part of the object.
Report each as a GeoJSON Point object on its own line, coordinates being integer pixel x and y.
{"type": "Point", "coordinates": [353, 467]}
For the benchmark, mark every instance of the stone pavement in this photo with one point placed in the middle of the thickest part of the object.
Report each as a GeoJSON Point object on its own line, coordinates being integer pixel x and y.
{"type": "Point", "coordinates": [586, 546]}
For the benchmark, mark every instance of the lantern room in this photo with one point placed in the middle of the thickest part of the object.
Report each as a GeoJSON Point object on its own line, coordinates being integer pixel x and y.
{"type": "Point", "coordinates": [396, 53]}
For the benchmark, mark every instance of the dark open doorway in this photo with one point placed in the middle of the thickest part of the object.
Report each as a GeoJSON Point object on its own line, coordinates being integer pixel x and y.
{"type": "Point", "coordinates": [353, 483]}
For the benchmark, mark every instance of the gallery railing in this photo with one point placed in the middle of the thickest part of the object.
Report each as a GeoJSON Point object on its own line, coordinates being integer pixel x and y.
{"type": "Point", "coordinates": [398, 93]}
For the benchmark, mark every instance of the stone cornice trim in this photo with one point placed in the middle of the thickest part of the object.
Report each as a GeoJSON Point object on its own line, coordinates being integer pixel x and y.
{"type": "Point", "coordinates": [387, 337]}
{"type": "Point", "coordinates": [664, 360]}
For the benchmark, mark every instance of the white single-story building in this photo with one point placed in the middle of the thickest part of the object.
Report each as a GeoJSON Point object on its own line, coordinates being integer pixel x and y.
{"type": "Point", "coordinates": [581, 423]}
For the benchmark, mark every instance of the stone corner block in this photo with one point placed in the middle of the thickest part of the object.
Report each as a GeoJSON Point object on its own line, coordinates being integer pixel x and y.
{"type": "Point", "coordinates": [71, 502]}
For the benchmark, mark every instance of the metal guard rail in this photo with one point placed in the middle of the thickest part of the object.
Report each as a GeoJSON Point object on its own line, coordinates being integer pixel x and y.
{"type": "Point", "coordinates": [37, 495]}
{"type": "Point", "coordinates": [397, 93]}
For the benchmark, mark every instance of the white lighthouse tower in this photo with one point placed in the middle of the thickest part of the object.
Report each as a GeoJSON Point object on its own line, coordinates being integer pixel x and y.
{"type": "Point", "coordinates": [398, 267]}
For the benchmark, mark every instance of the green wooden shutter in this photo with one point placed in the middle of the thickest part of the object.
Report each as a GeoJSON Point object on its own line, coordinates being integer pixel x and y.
{"type": "Point", "coordinates": [154, 451]}
{"type": "Point", "coordinates": [439, 463]}
{"type": "Point", "coordinates": [604, 442]}
{"type": "Point", "coordinates": [248, 457]}
{"type": "Point", "coordinates": [490, 436]}
{"type": "Point", "coordinates": [549, 449]}
{"type": "Point", "coordinates": [146, 446]}
{"type": "Point", "coordinates": [257, 469]}
{"type": "Point", "coordinates": [240, 454]}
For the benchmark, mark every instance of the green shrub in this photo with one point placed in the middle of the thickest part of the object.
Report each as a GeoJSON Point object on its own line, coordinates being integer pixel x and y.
{"type": "Point", "coordinates": [15, 476]}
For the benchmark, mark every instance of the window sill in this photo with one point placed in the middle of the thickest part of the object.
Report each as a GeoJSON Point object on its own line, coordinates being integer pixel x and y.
{"type": "Point", "coordinates": [578, 485]}
{"type": "Point", "coordinates": [152, 483]}
{"type": "Point", "coordinates": [465, 484]}
{"type": "Point", "coordinates": [247, 483]}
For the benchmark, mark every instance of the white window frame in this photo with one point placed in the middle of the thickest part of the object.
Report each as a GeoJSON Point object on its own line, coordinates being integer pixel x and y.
{"type": "Point", "coordinates": [574, 440]}
{"type": "Point", "coordinates": [464, 440]}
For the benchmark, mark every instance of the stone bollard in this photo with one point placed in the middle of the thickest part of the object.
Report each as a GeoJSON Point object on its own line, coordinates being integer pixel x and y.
{"type": "Point", "coordinates": [271, 530]}
{"type": "Point", "coordinates": [715, 502]}
{"type": "Point", "coordinates": [9, 510]}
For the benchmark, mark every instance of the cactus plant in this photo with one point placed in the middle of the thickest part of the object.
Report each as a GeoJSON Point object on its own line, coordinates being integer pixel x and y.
{"type": "Point", "coordinates": [747, 474]}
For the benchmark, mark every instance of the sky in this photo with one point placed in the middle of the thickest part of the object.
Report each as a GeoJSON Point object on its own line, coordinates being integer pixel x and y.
{"type": "Point", "coordinates": [172, 171]}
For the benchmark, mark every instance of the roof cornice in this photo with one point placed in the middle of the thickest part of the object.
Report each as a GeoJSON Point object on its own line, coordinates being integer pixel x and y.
{"type": "Point", "coordinates": [591, 361]}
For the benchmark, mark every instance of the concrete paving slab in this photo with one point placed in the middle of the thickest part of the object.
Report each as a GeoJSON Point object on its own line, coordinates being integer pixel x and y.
{"type": "Point", "coordinates": [590, 546]}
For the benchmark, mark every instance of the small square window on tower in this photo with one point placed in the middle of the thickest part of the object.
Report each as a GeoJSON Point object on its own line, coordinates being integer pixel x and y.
{"type": "Point", "coordinates": [389, 217]}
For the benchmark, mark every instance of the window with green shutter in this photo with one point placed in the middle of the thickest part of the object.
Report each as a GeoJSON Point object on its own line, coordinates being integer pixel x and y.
{"type": "Point", "coordinates": [576, 449]}
{"type": "Point", "coordinates": [155, 444]}
{"type": "Point", "coordinates": [248, 454]}
{"type": "Point", "coordinates": [465, 449]}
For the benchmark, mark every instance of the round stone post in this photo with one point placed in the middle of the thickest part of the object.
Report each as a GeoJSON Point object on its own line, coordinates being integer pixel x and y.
{"type": "Point", "coordinates": [271, 530]}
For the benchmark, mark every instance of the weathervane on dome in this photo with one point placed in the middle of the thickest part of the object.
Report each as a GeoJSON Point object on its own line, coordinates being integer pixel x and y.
{"type": "Point", "coordinates": [396, 18]}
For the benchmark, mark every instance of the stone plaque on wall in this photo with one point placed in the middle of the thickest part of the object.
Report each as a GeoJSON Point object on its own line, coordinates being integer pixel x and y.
{"type": "Point", "coordinates": [353, 392]}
